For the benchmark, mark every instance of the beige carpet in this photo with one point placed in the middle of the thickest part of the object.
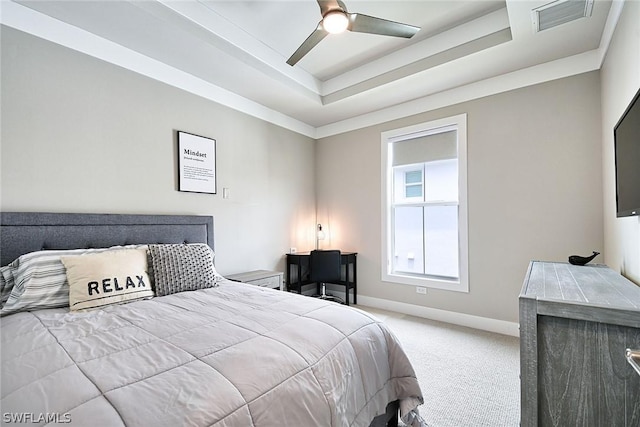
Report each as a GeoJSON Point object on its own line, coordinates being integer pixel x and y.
{"type": "Point", "coordinates": [468, 377]}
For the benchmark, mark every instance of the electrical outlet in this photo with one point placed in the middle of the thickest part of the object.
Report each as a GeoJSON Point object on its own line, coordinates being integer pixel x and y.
{"type": "Point", "coordinates": [292, 250]}
{"type": "Point", "coordinates": [421, 290]}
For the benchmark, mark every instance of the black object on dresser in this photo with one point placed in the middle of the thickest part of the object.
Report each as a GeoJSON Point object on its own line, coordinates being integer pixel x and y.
{"type": "Point", "coordinates": [576, 323]}
{"type": "Point", "coordinates": [297, 274]}
{"type": "Point", "coordinates": [582, 260]}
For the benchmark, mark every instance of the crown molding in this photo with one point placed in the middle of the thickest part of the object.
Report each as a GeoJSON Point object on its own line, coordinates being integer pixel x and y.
{"type": "Point", "coordinates": [35, 23]}
{"type": "Point", "coordinates": [565, 67]}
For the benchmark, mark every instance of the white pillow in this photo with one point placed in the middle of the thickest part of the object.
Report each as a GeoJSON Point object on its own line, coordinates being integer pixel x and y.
{"type": "Point", "coordinates": [110, 277]}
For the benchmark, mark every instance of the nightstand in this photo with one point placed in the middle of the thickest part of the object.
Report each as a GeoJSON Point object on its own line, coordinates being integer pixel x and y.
{"type": "Point", "coordinates": [266, 278]}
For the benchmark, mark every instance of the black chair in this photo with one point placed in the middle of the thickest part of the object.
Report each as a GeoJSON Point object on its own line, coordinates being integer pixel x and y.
{"type": "Point", "coordinates": [326, 267]}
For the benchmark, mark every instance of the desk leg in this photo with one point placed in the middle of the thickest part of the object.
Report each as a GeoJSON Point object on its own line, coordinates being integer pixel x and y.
{"type": "Point", "coordinates": [346, 281]}
{"type": "Point", "coordinates": [355, 280]}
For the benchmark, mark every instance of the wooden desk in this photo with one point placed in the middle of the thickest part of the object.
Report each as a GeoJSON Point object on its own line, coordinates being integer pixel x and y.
{"type": "Point", "coordinates": [297, 274]}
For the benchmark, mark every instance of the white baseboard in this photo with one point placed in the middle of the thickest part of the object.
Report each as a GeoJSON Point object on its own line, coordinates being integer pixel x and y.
{"type": "Point", "coordinates": [461, 319]}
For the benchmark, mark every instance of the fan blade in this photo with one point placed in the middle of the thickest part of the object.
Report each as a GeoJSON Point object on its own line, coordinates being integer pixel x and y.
{"type": "Point", "coordinates": [311, 41]}
{"type": "Point", "coordinates": [329, 5]}
{"type": "Point", "coordinates": [368, 24]}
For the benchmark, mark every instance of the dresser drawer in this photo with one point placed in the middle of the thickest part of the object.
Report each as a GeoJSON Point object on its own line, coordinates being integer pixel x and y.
{"type": "Point", "coordinates": [264, 278]}
{"type": "Point", "coordinates": [270, 282]}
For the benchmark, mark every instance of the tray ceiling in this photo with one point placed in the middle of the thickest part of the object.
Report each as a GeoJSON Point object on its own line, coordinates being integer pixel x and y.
{"type": "Point", "coordinates": [234, 52]}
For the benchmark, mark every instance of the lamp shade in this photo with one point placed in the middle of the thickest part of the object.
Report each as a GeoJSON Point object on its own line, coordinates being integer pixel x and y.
{"type": "Point", "coordinates": [319, 235]}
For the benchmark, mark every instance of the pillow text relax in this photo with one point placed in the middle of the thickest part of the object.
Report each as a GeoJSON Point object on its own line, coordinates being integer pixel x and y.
{"type": "Point", "coordinates": [106, 285]}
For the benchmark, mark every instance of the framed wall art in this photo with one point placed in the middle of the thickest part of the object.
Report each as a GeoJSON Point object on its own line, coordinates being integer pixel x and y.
{"type": "Point", "coordinates": [196, 163]}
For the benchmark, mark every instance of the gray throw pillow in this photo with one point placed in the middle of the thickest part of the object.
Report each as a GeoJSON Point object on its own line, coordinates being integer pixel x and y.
{"type": "Point", "coordinates": [181, 267]}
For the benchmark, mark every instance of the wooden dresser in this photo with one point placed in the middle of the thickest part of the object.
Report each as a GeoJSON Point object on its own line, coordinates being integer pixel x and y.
{"type": "Point", "coordinates": [576, 323]}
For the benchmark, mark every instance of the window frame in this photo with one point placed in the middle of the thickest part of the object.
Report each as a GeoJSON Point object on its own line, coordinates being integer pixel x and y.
{"type": "Point", "coordinates": [459, 124]}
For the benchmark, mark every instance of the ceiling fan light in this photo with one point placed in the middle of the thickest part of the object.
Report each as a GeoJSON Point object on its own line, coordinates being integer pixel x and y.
{"type": "Point", "coordinates": [335, 22]}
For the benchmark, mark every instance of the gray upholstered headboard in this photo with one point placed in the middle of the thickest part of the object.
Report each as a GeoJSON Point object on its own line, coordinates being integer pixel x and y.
{"type": "Point", "coordinates": [24, 232]}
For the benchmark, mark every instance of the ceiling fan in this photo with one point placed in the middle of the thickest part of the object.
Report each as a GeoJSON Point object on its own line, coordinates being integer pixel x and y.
{"type": "Point", "coordinates": [336, 19]}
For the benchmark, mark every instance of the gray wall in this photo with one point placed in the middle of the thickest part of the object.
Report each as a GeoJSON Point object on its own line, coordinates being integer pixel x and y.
{"type": "Point", "coordinates": [620, 76]}
{"type": "Point", "coordinates": [81, 135]}
{"type": "Point", "coordinates": [534, 188]}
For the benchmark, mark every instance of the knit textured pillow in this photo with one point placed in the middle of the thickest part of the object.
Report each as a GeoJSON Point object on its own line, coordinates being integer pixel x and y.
{"type": "Point", "coordinates": [182, 267]}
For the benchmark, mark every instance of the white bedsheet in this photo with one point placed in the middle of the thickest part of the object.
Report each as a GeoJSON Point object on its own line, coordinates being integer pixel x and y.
{"type": "Point", "coordinates": [234, 355]}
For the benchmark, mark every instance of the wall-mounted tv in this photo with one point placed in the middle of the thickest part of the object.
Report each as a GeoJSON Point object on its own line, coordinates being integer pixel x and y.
{"type": "Point", "coordinates": [626, 136]}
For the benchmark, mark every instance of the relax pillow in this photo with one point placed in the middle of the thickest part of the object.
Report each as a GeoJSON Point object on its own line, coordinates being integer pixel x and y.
{"type": "Point", "coordinates": [105, 278]}
{"type": "Point", "coordinates": [37, 280]}
{"type": "Point", "coordinates": [182, 267]}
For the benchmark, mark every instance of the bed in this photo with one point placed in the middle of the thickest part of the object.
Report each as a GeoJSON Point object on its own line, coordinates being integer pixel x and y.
{"type": "Point", "coordinates": [227, 355]}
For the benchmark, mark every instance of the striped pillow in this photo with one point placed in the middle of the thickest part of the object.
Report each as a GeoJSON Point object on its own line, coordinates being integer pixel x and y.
{"type": "Point", "coordinates": [39, 280]}
{"type": "Point", "coordinates": [6, 283]}
{"type": "Point", "coordinates": [111, 277]}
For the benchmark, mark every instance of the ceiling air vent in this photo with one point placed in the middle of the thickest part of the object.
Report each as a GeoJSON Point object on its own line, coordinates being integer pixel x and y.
{"type": "Point", "coordinates": [560, 12]}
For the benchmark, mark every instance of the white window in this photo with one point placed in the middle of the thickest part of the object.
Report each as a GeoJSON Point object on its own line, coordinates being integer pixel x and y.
{"type": "Point", "coordinates": [424, 205]}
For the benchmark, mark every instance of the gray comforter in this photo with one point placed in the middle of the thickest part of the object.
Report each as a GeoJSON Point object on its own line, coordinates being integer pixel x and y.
{"type": "Point", "coordinates": [234, 355]}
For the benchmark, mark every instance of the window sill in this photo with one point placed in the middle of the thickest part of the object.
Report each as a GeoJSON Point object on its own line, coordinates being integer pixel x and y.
{"type": "Point", "coordinates": [447, 285]}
